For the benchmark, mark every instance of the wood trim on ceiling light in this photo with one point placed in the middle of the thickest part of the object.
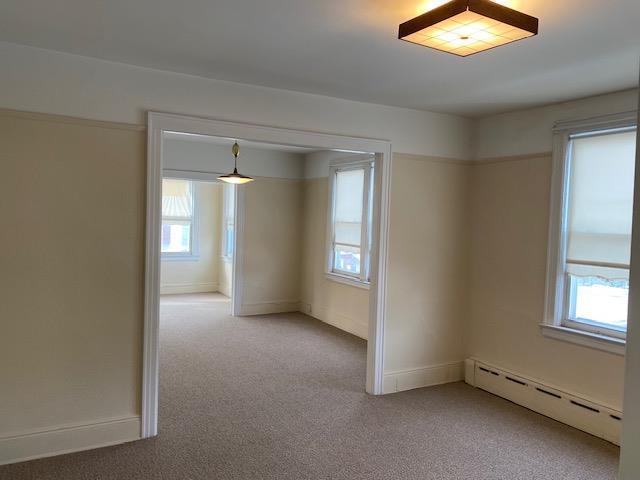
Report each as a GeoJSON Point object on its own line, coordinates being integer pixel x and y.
{"type": "Point", "coordinates": [464, 29]}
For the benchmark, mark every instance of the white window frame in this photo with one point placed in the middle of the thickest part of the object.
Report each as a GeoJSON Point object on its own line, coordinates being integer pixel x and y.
{"type": "Point", "coordinates": [363, 279]}
{"type": "Point", "coordinates": [193, 254]}
{"type": "Point", "coordinates": [226, 222]}
{"type": "Point", "coordinates": [556, 323]}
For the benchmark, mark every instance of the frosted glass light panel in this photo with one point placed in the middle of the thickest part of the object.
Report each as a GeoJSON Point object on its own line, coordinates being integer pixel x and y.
{"type": "Point", "coordinates": [177, 216]}
{"type": "Point", "coordinates": [348, 215]}
{"type": "Point", "coordinates": [599, 217]}
{"type": "Point", "coordinates": [465, 27]}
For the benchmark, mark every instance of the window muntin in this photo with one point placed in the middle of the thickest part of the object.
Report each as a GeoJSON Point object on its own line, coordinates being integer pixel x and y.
{"type": "Point", "coordinates": [228, 221]}
{"type": "Point", "coordinates": [597, 234]}
{"type": "Point", "coordinates": [351, 202]}
{"type": "Point", "coordinates": [178, 206]}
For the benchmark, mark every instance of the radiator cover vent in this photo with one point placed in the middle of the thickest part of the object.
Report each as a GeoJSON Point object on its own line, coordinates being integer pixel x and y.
{"type": "Point", "coordinates": [583, 414]}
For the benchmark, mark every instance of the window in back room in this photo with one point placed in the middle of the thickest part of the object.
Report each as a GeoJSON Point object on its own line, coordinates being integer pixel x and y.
{"type": "Point", "coordinates": [178, 223]}
{"type": "Point", "coordinates": [350, 219]}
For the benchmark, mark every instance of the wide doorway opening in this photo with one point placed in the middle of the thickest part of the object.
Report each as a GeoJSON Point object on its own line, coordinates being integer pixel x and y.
{"type": "Point", "coordinates": [292, 256]}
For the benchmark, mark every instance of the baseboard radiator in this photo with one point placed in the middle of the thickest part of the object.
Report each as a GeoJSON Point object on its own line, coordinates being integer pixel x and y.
{"type": "Point", "coordinates": [583, 414]}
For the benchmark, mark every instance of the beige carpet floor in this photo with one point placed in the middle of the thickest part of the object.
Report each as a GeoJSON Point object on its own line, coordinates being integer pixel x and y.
{"type": "Point", "coordinates": [282, 397]}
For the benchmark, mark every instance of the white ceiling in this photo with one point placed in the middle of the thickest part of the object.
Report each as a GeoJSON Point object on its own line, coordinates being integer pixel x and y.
{"type": "Point", "coordinates": [346, 48]}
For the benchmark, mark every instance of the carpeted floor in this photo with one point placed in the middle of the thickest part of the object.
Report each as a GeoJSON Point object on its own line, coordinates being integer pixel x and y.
{"type": "Point", "coordinates": [282, 397]}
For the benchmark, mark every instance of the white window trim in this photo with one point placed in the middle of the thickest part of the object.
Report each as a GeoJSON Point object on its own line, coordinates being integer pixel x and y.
{"type": "Point", "coordinates": [351, 163]}
{"type": "Point", "coordinates": [554, 324]}
{"type": "Point", "coordinates": [193, 255]}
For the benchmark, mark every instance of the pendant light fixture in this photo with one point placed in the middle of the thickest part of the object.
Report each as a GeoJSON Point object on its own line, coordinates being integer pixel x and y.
{"type": "Point", "coordinates": [235, 177]}
{"type": "Point", "coordinates": [465, 27]}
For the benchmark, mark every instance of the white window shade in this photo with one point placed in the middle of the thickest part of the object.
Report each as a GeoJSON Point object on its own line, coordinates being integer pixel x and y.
{"type": "Point", "coordinates": [348, 207]}
{"type": "Point", "coordinates": [177, 198]}
{"type": "Point", "coordinates": [600, 204]}
{"type": "Point", "coordinates": [349, 220]}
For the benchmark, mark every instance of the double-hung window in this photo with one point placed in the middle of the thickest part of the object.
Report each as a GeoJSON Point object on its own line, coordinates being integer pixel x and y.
{"type": "Point", "coordinates": [228, 221]}
{"type": "Point", "coordinates": [178, 219]}
{"type": "Point", "coordinates": [350, 219]}
{"type": "Point", "coordinates": [590, 234]}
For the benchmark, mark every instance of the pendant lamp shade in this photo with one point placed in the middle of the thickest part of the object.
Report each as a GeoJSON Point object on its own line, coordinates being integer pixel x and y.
{"type": "Point", "coordinates": [235, 177]}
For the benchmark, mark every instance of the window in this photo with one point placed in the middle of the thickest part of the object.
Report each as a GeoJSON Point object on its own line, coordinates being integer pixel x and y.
{"type": "Point", "coordinates": [351, 209]}
{"type": "Point", "coordinates": [588, 283]}
{"type": "Point", "coordinates": [228, 221]}
{"type": "Point", "coordinates": [178, 232]}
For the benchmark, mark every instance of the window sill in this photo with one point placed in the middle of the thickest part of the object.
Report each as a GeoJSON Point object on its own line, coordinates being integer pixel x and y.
{"type": "Point", "coordinates": [180, 258]}
{"type": "Point", "coordinates": [586, 339]}
{"type": "Point", "coordinates": [334, 277]}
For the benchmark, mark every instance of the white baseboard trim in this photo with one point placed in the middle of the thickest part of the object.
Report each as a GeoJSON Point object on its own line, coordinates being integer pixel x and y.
{"type": "Point", "coordinates": [577, 411]}
{"type": "Point", "coordinates": [225, 290]}
{"type": "Point", "coordinates": [177, 288]}
{"type": "Point", "coordinates": [401, 380]}
{"type": "Point", "coordinates": [338, 320]}
{"type": "Point", "coordinates": [265, 308]}
{"type": "Point", "coordinates": [68, 439]}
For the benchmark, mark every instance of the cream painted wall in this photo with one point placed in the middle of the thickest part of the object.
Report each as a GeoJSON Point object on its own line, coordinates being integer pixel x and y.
{"type": "Point", "coordinates": [86, 365]}
{"type": "Point", "coordinates": [343, 306]}
{"type": "Point", "coordinates": [427, 263]}
{"type": "Point", "coordinates": [510, 216]}
{"type": "Point", "coordinates": [52, 82]}
{"type": "Point", "coordinates": [527, 132]}
{"type": "Point", "coordinates": [272, 246]}
{"type": "Point", "coordinates": [72, 273]}
{"type": "Point", "coordinates": [264, 202]}
{"type": "Point", "coordinates": [509, 220]}
{"type": "Point", "coordinates": [201, 273]}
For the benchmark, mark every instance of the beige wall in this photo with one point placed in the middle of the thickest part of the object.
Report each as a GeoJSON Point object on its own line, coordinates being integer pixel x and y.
{"type": "Point", "coordinates": [199, 274]}
{"type": "Point", "coordinates": [344, 306]}
{"type": "Point", "coordinates": [272, 245]}
{"type": "Point", "coordinates": [72, 263]}
{"type": "Point", "coordinates": [80, 312]}
{"type": "Point", "coordinates": [41, 80]}
{"type": "Point", "coordinates": [528, 132]}
{"type": "Point", "coordinates": [427, 263]}
{"type": "Point", "coordinates": [509, 218]}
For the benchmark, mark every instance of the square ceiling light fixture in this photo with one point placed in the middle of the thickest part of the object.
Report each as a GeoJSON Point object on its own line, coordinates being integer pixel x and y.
{"type": "Point", "coordinates": [465, 27]}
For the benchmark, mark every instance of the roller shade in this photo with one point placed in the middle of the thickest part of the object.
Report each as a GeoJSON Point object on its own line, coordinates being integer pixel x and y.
{"type": "Point", "coordinates": [600, 204]}
{"type": "Point", "coordinates": [348, 206]}
{"type": "Point", "coordinates": [177, 198]}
